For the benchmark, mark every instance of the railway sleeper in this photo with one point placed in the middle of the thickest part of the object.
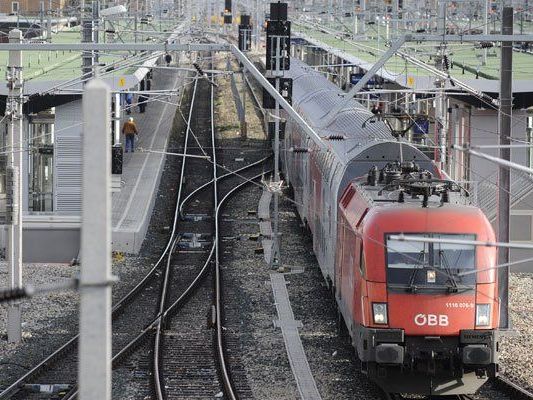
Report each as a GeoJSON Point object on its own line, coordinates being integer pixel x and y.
{"type": "Point", "coordinates": [194, 241]}
{"type": "Point", "coordinates": [47, 388]}
{"type": "Point", "coordinates": [196, 217]}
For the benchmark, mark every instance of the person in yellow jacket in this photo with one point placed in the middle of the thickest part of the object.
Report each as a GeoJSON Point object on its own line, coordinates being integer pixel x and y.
{"type": "Point", "coordinates": [129, 130]}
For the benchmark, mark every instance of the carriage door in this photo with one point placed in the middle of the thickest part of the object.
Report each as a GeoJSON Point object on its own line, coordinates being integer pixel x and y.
{"type": "Point", "coordinates": [359, 282]}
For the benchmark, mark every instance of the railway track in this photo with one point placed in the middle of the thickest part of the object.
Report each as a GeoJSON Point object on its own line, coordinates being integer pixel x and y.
{"type": "Point", "coordinates": [132, 324]}
{"type": "Point", "coordinates": [129, 316]}
{"type": "Point", "coordinates": [510, 388]}
{"type": "Point", "coordinates": [183, 357]}
{"type": "Point", "coordinates": [189, 358]}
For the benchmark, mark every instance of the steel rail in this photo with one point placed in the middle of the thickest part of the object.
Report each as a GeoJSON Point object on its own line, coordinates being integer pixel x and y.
{"type": "Point", "coordinates": [179, 210]}
{"type": "Point", "coordinates": [157, 338]}
{"type": "Point", "coordinates": [226, 380]}
{"type": "Point", "coordinates": [510, 387]}
{"type": "Point", "coordinates": [236, 172]}
{"type": "Point", "coordinates": [224, 370]}
{"type": "Point", "coordinates": [15, 387]}
{"type": "Point", "coordinates": [117, 308]}
{"type": "Point", "coordinates": [178, 303]}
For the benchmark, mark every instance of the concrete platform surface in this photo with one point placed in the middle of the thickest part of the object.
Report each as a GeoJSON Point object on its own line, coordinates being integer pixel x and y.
{"type": "Point", "coordinates": [133, 204]}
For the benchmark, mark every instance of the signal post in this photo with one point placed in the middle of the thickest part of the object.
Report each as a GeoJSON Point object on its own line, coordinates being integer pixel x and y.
{"type": "Point", "coordinates": [277, 61]}
{"type": "Point", "coordinates": [245, 43]}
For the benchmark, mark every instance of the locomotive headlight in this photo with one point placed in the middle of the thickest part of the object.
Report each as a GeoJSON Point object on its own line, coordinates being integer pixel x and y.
{"type": "Point", "coordinates": [482, 314]}
{"type": "Point", "coordinates": [379, 311]}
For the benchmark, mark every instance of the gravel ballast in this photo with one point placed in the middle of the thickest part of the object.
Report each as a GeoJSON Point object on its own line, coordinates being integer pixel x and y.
{"type": "Point", "coordinates": [51, 320]}
{"type": "Point", "coordinates": [517, 349]}
{"type": "Point", "coordinates": [331, 357]}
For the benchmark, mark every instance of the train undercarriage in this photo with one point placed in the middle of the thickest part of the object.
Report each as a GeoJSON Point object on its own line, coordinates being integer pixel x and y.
{"type": "Point", "coordinates": [427, 365]}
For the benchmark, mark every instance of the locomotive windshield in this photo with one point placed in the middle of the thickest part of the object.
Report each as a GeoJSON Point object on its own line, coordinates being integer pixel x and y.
{"type": "Point", "coordinates": [418, 265]}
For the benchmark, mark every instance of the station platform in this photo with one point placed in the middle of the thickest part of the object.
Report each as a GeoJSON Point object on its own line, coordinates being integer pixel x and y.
{"type": "Point", "coordinates": [134, 202]}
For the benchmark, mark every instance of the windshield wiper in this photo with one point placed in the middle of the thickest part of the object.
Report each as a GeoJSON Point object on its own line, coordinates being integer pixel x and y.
{"type": "Point", "coordinates": [452, 287]}
{"type": "Point", "coordinates": [411, 287]}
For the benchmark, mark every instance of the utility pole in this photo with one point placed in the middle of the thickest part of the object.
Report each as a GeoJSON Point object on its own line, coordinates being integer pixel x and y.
{"type": "Point", "coordinates": [363, 17]}
{"type": "Point", "coordinates": [355, 16]}
{"type": "Point", "coordinates": [256, 25]}
{"type": "Point", "coordinates": [14, 207]}
{"type": "Point", "coordinates": [95, 31]}
{"type": "Point", "coordinates": [485, 29]}
{"type": "Point", "coordinates": [160, 17]}
{"type": "Point", "coordinates": [396, 17]}
{"type": "Point", "coordinates": [49, 22]}
{"type": "Point", "coordinates": [504, 174]}
{"type": "Point", "coordinates": [87, 37]}
{"type": "Point", "coordinates": [41, 16]}
{"type": "Point", "coordinates": [95, 278]}
{"type": "Point", "coordinates": [441, 107]}
{"type": "Point", "coordinates": [136, 21]}
{"type": "Point", "coordinates": [49, 26]}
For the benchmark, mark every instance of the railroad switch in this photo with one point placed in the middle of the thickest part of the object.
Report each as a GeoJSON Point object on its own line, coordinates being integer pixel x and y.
{"type": "Point", "coordinates": [195, 241]}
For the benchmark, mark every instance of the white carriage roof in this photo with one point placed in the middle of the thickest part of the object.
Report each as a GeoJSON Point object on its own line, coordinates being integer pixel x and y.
{"type": "Point", "coordinates": [314, 96]}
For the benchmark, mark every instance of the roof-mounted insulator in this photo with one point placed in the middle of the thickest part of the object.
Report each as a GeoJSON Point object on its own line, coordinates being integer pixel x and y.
{"type": "Point", "coordinates": [299, 150]}
{"type": "Point", "coordinates": [335, 137]}
{"type": "Point", "coordinates": [198, 69]}
{"type": "Point", "coordinates": [372, 178]}
{"type": "Point", "coordinates": [203, 74]}
{"type": "Point", "coordinates": [401, 197]}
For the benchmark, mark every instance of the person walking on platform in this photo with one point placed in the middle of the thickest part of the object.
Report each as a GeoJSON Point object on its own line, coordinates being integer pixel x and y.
{"type": "Point", "coordinates": [129, 130]}
{"type": "Point", "coordinates": [129, 100]}
{"type": "Point", "coordinates": [142, 100]}
{"type": "Point", "coordinates": [149, 81]}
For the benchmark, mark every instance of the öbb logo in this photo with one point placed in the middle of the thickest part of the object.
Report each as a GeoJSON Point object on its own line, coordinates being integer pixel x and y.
{"type": "Point", "coordinates": [431, 320]}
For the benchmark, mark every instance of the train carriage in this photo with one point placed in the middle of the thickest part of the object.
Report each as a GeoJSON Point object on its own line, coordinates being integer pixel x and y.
{"type": "Point", "coordinates": [422, 316]}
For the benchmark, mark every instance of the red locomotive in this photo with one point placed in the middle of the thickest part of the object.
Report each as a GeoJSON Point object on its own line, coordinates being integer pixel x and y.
{"type": "Point", "coordinates": [395, 241]}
